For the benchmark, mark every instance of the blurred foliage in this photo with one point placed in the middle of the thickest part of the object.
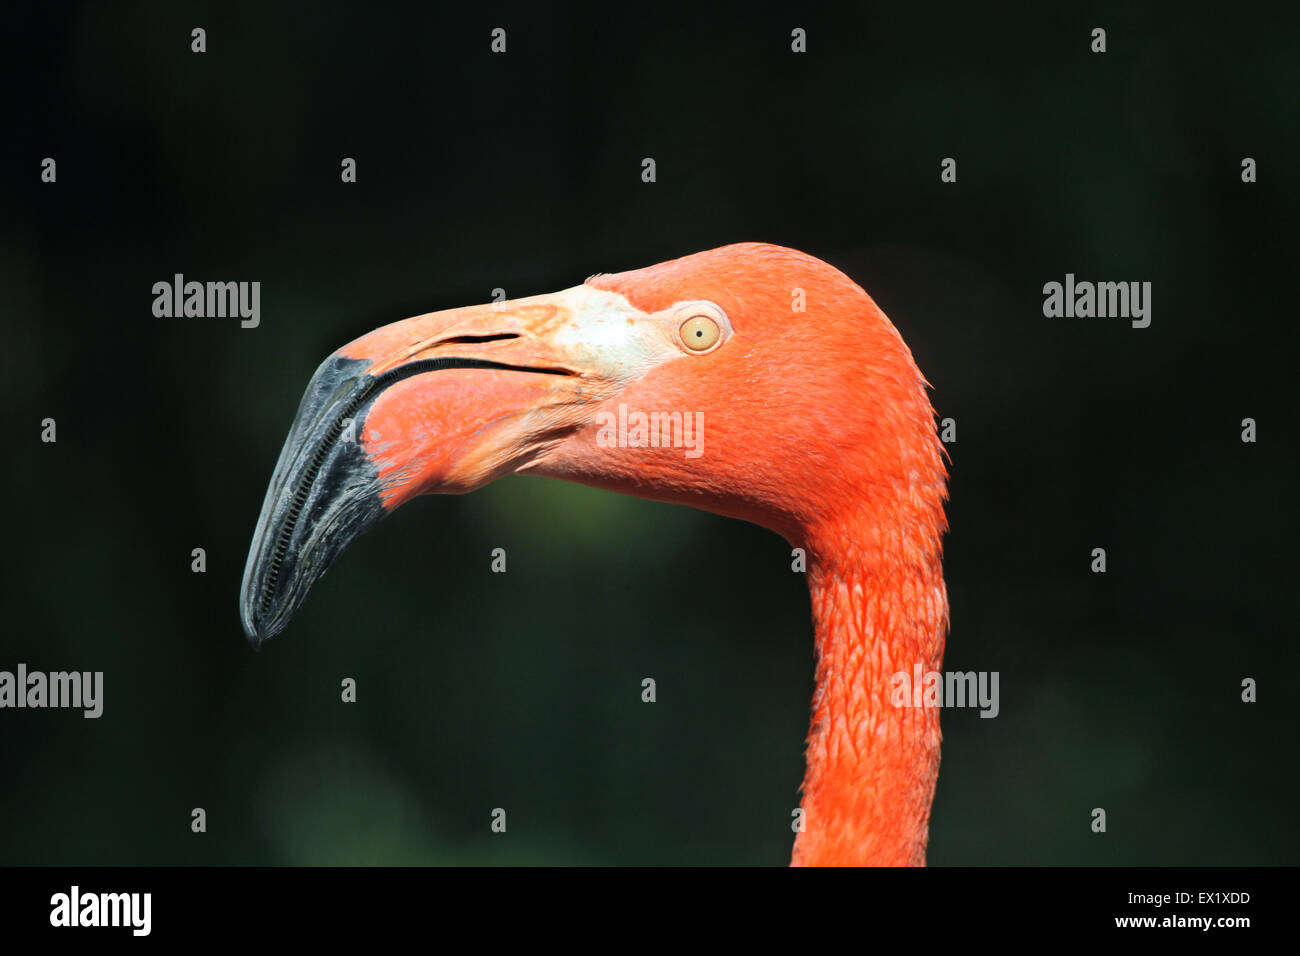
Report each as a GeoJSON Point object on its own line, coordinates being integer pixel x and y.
{"type": "Point", "coordinates": [522, 171]}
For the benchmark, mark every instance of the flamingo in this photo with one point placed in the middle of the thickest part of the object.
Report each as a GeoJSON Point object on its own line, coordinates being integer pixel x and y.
{"type": "Point", "coordinates": [815, 422]}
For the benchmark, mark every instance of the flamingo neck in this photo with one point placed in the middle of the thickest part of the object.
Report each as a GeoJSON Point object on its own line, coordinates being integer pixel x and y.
{"type": "Point", "coordinates": [879, 609]}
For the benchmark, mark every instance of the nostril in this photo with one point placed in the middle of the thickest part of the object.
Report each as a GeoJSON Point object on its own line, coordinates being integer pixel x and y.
{"type": "Point", "coordinates": [474, 339]}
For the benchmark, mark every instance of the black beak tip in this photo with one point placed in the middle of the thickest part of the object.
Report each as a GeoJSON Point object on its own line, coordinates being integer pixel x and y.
{"type": "Point", "coordinates": [324, 492]}
{"type": "Point", "coordinates": [254, 630]}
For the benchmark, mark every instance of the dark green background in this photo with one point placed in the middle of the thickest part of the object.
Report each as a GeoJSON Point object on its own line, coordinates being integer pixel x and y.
{"type": "Point", "coordinates": [522, 171]}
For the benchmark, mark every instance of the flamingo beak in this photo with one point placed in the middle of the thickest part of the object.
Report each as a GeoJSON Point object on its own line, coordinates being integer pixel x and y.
{"type": "Point", "coordinates": [439, 403]}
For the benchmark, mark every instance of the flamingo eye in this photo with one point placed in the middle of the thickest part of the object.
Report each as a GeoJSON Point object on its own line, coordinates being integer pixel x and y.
{"type": "Point", "coordinates": [699, 333]}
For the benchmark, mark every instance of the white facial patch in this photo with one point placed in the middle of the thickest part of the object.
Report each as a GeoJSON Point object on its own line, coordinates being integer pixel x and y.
{"type": "Point", "coordinates": [607, 332]}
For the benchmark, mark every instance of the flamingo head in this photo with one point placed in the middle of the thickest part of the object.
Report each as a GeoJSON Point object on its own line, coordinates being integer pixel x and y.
{"type": "Point", "coordinates": [750, 380]}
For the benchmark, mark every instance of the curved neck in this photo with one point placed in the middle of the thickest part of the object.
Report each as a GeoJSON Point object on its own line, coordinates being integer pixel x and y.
{"type": "Point", "coordinates": [879, 609]}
